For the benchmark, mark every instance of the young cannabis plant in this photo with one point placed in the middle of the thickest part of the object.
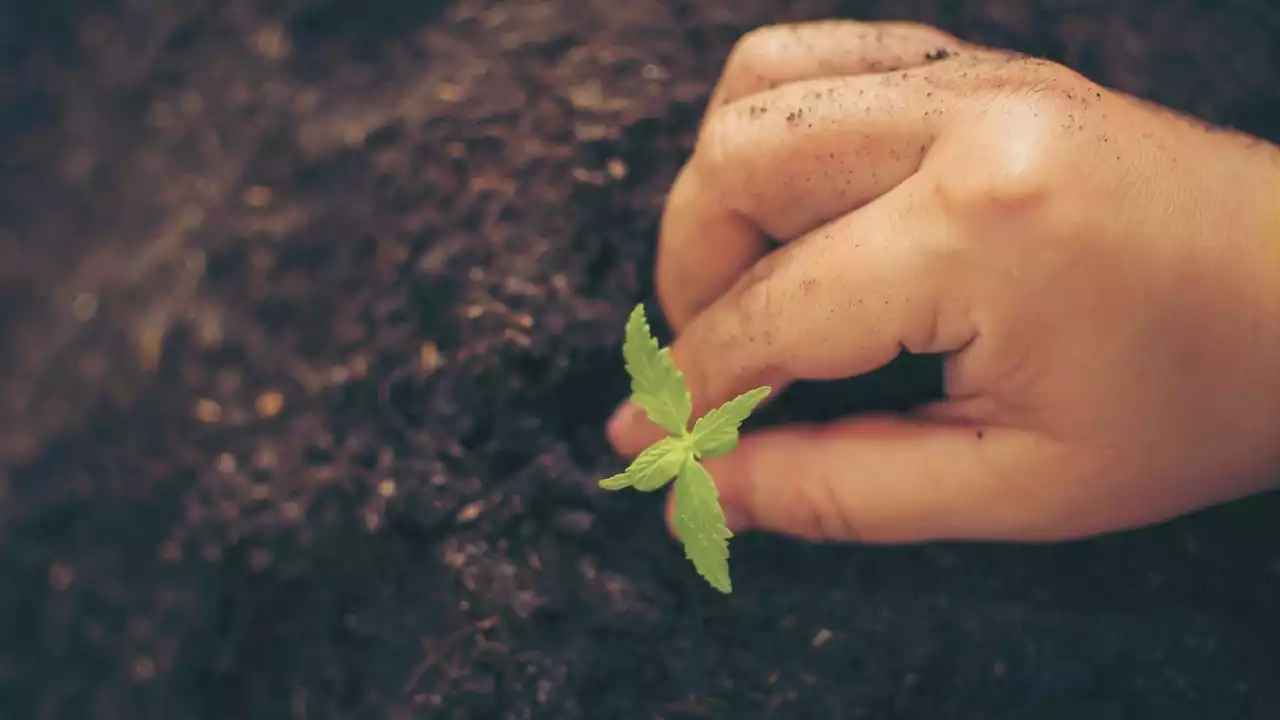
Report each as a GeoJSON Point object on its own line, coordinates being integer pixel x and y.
{"type": "Point", "coordinates": [658, 387]}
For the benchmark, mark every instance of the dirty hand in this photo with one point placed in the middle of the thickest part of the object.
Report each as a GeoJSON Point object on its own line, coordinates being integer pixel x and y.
{"type": "Point", "coordinates": [1102, 275]}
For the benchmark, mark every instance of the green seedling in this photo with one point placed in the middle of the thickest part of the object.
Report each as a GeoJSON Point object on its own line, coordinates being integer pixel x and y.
{"type": "Point", "coordinates": [658, 387]}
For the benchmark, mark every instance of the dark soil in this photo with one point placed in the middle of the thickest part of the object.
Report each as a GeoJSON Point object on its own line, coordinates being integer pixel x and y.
{"type": "Point", "coordinates": [312, 316]}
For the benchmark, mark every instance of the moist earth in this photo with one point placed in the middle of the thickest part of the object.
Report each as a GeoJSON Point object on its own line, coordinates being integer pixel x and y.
{"type": "Point", "coordinates": [311, 316]}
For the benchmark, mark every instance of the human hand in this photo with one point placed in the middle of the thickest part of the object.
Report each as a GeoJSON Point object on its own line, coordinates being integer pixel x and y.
{"type": "Point", "coordinates": [1102, 274]}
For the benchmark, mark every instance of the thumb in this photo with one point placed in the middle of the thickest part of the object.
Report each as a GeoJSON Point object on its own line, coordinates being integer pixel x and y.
{"type": "Point", "coordinates": [886, 480]}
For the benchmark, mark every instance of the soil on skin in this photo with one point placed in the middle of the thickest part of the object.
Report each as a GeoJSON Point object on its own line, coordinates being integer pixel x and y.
{"type": "Point", "coordinates": [312, 315]}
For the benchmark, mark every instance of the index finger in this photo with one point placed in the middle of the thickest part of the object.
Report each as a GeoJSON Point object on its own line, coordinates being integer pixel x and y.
{"type": "Point", "coordinates": [838, 302]}
{"type": "Point", "coordinates": [774, 55]}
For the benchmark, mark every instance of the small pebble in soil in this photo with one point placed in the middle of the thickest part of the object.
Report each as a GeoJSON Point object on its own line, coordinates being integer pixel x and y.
{"type": "Point", "coordinates": [575, 521]}
{"type": "Point", "coordinates": [429, 357]}
{"type": "Point", "coordinates": [60, 576]}
{"type": "Point", "coordinates": [821, 637]}
{"type": "Point", "coordinates": [208, 411]}
{"type": "Point", "coordinates": [471, 511]}
{"type": "Point", "coordinates": [269, 404]}
{"type": "Point", "coordinates": [144, 669]}
{"type": "Point", "coordinates": [258, 196]}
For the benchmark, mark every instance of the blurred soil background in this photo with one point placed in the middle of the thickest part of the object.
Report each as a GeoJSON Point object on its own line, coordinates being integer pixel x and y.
{"type": "Point", "coordinates": [310, 317]}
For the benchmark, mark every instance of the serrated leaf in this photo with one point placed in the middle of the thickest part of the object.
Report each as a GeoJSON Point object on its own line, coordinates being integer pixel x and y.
{"type": "Point", "coordinates": [666, 468]}
{"type": "Point", "coordinates": [700, 523]}
{"type": "Point", "coordinates": [716, 433]}
{"type": "Point", "coordinates": [656, 384]}
{"type": "Point", "coordinates": [652, 468]}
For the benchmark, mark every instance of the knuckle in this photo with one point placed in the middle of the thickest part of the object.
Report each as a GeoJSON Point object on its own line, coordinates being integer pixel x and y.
{"type": "Point", "coordinates": [717, 129]}
{"type": "Point", "coordinates": [752, 55]}
{"type": "Point", "coordinates": [756, 306]}
{"type": "Point", "coordinates": [736, 337]}
{"type": "Point", "coordinates": [1011, 161]}
{"type": "Point", "coordinates": [674, 304]}
{"type": "Point", "coordinates": [766, 294]}
{"type": "Point", "coordinates": [717, 156]}
{"type": "Point", "coordinates": [822, 517]}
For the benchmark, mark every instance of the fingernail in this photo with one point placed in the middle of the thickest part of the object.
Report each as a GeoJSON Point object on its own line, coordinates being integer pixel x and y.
{"type": "Point", "coordinates": [621, 420]}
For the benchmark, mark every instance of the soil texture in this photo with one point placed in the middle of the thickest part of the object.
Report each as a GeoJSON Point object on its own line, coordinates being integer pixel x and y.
{"type": "Point", "coordinates": [311, 316]}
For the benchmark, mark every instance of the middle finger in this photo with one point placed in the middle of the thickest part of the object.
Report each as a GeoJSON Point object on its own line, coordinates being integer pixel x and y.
{"type": "Point", "coordinates": [782, 162]}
